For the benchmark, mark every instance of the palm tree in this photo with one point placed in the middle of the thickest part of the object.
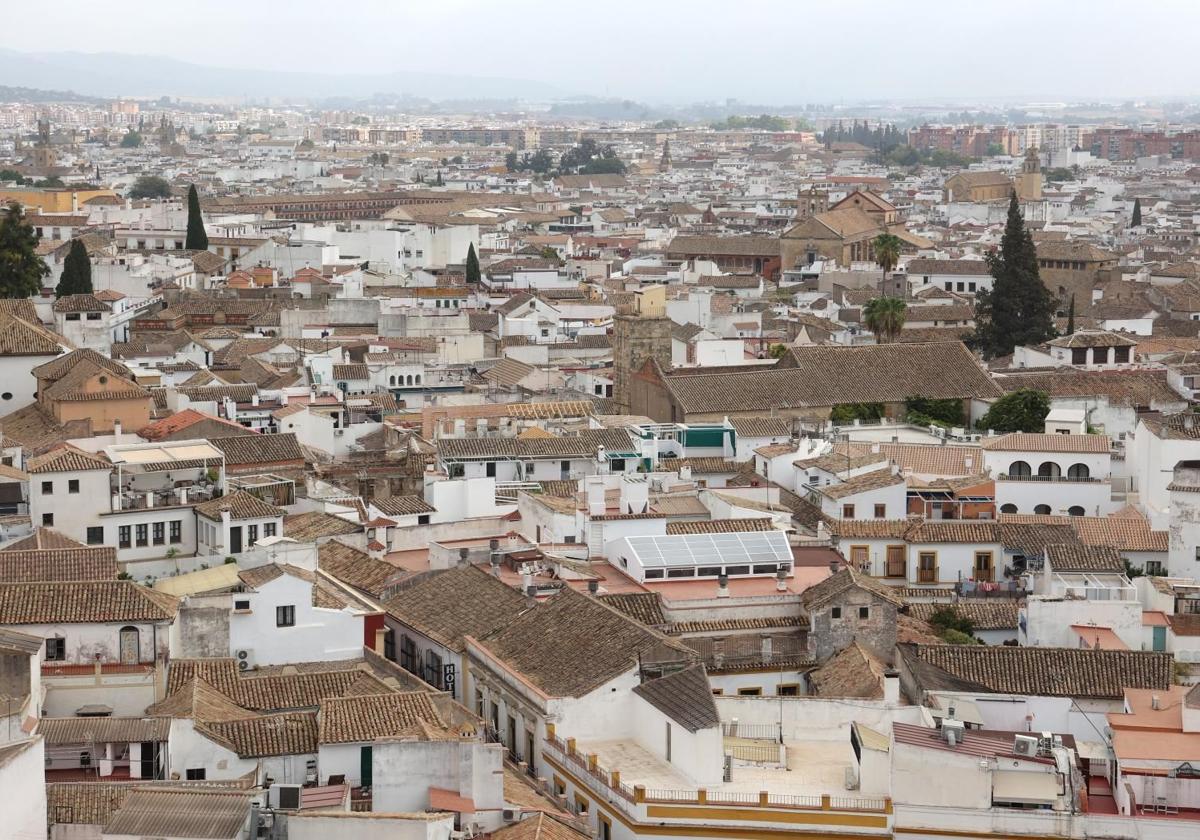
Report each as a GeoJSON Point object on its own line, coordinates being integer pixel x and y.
{"type": "Point", "coordinates": [887, 251]}
{"type": "Point", "coordinates": [885, 317]}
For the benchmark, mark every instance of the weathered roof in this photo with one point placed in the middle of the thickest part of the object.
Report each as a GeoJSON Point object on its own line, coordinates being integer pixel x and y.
{"type": "Point", "coordinates": [684, 696]}
{"type": "Point", "coordinates": [1044, 442]}
{"type": "Point", "coordinates": [572, 644]}
{"type": "Point", "coordinates": [448, 604]}
{"type": "Point", "coordinates": [157, 812]}
{"type": "Point", "coordinates": [367, 718]}
{"type": "Point", "coordinates": [242, 504]}
{"type": "Point", "coordinates": [97, 562]}
{"type": "Point", "coordinates": [845, 579]}
{"type": "Point", "coordinates": [87, 730]}
{"type": "Point", "coordinates": [403, 506]}
{"type": "Point", "coordinates": [1076, 557]}
{"type": "Point", "coordinates": [83, 602]}
{"type": "Point", "coordinates": [1049, 672]}
{"type": "Point", "coordinates": [643, 607]}
{"type": "Point", "coordinates": [259, 449]}
{"type": "Point", "coordinates": [286, 733]}
{"type": "Point", "coordinates": [983, 613]}
{"type": "Point", "coordinates": [21, 338]}
{"type": "Point", "coordinates": [66, 458]}
{"type": "Point", "coordinates": [824, 376]}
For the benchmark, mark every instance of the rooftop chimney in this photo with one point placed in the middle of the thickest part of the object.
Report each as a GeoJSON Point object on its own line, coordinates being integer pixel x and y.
{"type": "Point", "coordinates": [463, 554]}
{"type": "Point", "coordinates": [781, 580]}
{"type": "Point", "coordinates": [1155, 704]}
{"type": "Point", "coordinates": [593, 587]}
{"type": "Point", "coordinates": [891, 687]}
{"type": "Point", "coordinates": [722, 586]}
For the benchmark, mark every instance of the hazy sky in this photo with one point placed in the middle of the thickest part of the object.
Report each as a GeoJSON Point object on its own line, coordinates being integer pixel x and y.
{"type": "Point", "coordinates": [777, 51]}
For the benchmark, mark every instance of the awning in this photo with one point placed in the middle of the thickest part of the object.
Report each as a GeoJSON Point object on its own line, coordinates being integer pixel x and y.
{"type": "Point", "coordinates": [1021, 788]}
{"type": "Point", "coordinates": [965, 710]}
{"type": "Point", "coordinates": [1093, 750]}
{"type": "Point", "coordinates": [441, 799]}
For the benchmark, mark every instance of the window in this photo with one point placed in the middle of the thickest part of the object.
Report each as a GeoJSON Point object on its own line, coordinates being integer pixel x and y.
{"type": "Point", "coordinates": [864, 612]}
{"type": "Point", "coordinates": [251, 534]}
{"type": "Point", "coordinates": [48, 520]}
{"type": "Point", "coordinates": [285, 616]}
{"type": "Point", "coordinates": [581, 805]}
{"type": "Point", "coordinates": [408, 654]}
{"type": "Point", "coordinates": [1019, 469]}
{"type": "Point", "coordinates": [1154, 568]}
{"type": "Point", "coordinates": [160, 536]}
{"type": "Point", "coordinates": [422, 518]}
{"type": "Point", "coordinates": [657, 573]}
{"type": "Point", "coordinates": [560, 787]}
{"type": "Point", "coordinates": [1075, 510]}
{"type": "Point", "coordinates": [847, 511]}
{"type": "Point", "coordinates": [433, 672]}
{"type": "Point", "coordinates": [195, 774]}
{"type": "Point", "coordinates": [123, 537]}
{"type": "Point", "coordinates": [750, 691]}
{"type": "Point", "coordinates": [927, 570]}
{"type": "Point", "coordinates": [56, 649]}
{"type": "Point", "coordinates": [95, 535]}
{"type": "Point", "coordinates": [1042, 510]}
{"type": "Point", "coordinates": [985, 569]}
{"type": "Point", "coordinates": [175, 532]}
{"type": "Point", "coordinates": [605, 825]}
{"type": "Point", "coordinates": [788, 690]}
{"type": "Point", "coordinates": [242, 605]}
{"type": "Point", "coordinates": [1079, 472]}
{"type": "Point", "coordinates": [489, 469]}
{"type": "Point", "coordinates": [457, 471]}
{"type": "Point", "coordinates": [1008, 508]}
{"type": "Point", "coordinates": [143, 534]}
{"type": "Point", "coordinates": [73, 485]}
{"type": "Point", "coordinates": [835, 613]}
{"type": "Point", "coordinates": [268, 529]}
{"type": "Point", "coordinates": [47, 488]}
{"type": "Point", "coordinates": [880, 511]}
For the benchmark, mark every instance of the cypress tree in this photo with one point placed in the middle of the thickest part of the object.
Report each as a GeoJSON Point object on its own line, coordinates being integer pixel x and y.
{"type": "Point", "coordinates": [472, 268]}
{"type": "Point", "coordinates": [197, 239]}
{"type": "Point", "coordinates": [21, 269]}
{"type": "Point", "coordinates": [1071, 317]}
{"type": "Point", "coordinates": [77, 272]}
{"type": "Point", "coordinates": [1019, 309]}
{"type": "Point", "coordinates": [1137, 212]}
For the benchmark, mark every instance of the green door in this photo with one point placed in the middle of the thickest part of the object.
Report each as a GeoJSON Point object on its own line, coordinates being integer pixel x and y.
{"type": "Point", "coordinates": [364, 765]}
{"type": "Point", "coordinates": [1160, 638]}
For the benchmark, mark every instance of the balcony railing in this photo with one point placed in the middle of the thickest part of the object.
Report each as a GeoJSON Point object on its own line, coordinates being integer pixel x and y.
{"type": "Point", "coordinates": [1072, 479]}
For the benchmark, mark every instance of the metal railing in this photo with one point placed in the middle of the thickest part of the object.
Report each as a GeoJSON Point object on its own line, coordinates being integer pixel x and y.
{"type": "Point", "coordinates": [1072, 479]}
{"type": "Point", "coordinates": [753, 731]}
{"type": "Point", "coordinates": [756, 752]}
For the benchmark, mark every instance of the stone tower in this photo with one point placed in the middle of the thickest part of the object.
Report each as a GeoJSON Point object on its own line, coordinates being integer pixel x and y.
{"type": "Point", "coordinates": [664, 163]}
{"type": "Point", "coordinates": [640, 332]}
{"type": "Point", "coordinates": [43, 157]}
{"type": "Point", "coordinates": [1028, 183]}
{"type": "Point", "coordinates": [811, 202]}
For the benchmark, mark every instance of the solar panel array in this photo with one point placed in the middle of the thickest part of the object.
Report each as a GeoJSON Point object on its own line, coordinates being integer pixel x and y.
{"type": "Point", "coordinates": [680, 550]}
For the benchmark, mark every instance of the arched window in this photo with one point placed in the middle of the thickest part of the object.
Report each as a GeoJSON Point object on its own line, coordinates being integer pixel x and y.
{"type": "Point", "coordinates": [409, 379]}
{"type": "Point", "coordinates": [1049, 469]}
{"type": "Point", "coordinates": [131, 652]}
{"type": "Point", "coordinates": [392, 379]}
{"type": "Point", "coordinates": [1075, 510]}
{"type": "Point", "coordinates": [1008, 508]}
{"type": "Point", "coordinates": [1079, 472]}
{"type": "Point", "coordinates": [418, 379]}
{"type": "Point", "coordinates": [1042, 510]}
{"type": "Point", "coordinates": [1020, 469]}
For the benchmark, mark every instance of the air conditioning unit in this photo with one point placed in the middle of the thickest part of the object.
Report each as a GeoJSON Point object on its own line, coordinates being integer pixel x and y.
{"type": "Point", "coordinates": [339, 432]}
{"type": "Point", "coordinates": [245, 659]}
{"type": "Point", "coordinates": [1025, 745]}
{"type": "Point", "coordinates": [510, 815]}
{"type": "Point", "coordinates": [952, 731]}
{"type": "Point", "coordinates": [285, 797]}
{"type": "Point", "coordinates": [851, 778]}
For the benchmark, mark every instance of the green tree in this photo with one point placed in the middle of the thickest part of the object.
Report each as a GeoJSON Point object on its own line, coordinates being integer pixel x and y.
{"type": "Point", "coordinates": [1023, 410]}
{"type": "Point", "coordinates": [994, 149]}
{"type": "Point", "coordinates": [885, 317]}
{"type": "Point", "coordinates": [1019, 309]}
{"type": "Point", "coordinates": [131, 140]}
{"type": "Point", "coordinates": [849, 412]}
{"type": "Point", "coordinates": [1071, 317]}
{"type": "Point", "coordinates": [887, 251]}
{"type": "Point", "coordinates": [1137, 212]}
{"type": "Point", "coordinates": [472, 267]}
{"type": "Point", "coordinates": [197, 238]}
{"type": "Point", "coordinates": [777, 351]}
{"type": "Point", "coordinates": [925, 412]}
{"type": "Point", "coordinates": [77, 272]}
{"type": "Point", "coordinates": [14, 176]}
{"type": "Point", "coordinates": [21, 269]}
{"type": "Point", "coordinates": [52, 182]}
{"type": "Point", "coordinates": [150, 186]}
{"type": "Point", "coordinates": [439, 182]}
{"type": "Point", "coordinates": [948, 618]}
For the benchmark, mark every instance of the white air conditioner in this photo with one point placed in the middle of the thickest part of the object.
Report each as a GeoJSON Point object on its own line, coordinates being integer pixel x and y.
{"type": "Point", "coordinates": [285, 797]}
{"type": "Point", "coordinates": [1025, 745]}
{"type": "Point", "coordinates": [245, 659]}
{"type": "Point", "coordinates": [339, 432]}
{"type": "Point", "coordinates": [510, 815]}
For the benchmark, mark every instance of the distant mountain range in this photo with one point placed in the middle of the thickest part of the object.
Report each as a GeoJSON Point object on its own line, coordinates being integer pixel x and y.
{"type": "Point", "coordinates": [119, 74]}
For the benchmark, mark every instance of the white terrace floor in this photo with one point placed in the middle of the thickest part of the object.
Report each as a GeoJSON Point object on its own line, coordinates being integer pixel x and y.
{"type": "Point", "coordinates": [814, 768]}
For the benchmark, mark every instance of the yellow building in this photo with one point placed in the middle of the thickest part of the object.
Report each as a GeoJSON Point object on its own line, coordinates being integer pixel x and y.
{"type": "Point", "coordinates": [51, 201]}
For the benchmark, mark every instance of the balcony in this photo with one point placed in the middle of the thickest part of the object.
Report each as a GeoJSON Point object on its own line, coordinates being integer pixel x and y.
{"type": "Point", "coordinates": [1070, 479]}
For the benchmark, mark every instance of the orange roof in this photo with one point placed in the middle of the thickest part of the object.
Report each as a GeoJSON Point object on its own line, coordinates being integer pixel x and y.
{"type": "Point", "coordinates": [179, 421]}
{"type": "Point", "coordinates": [448, 800]}
{"type": "Point", "coordinates": [1099, 638]}
{"type": "Point", "coordinates": [1154, 618]}
{"type": "Point", "coordinates": [1143, 716]}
